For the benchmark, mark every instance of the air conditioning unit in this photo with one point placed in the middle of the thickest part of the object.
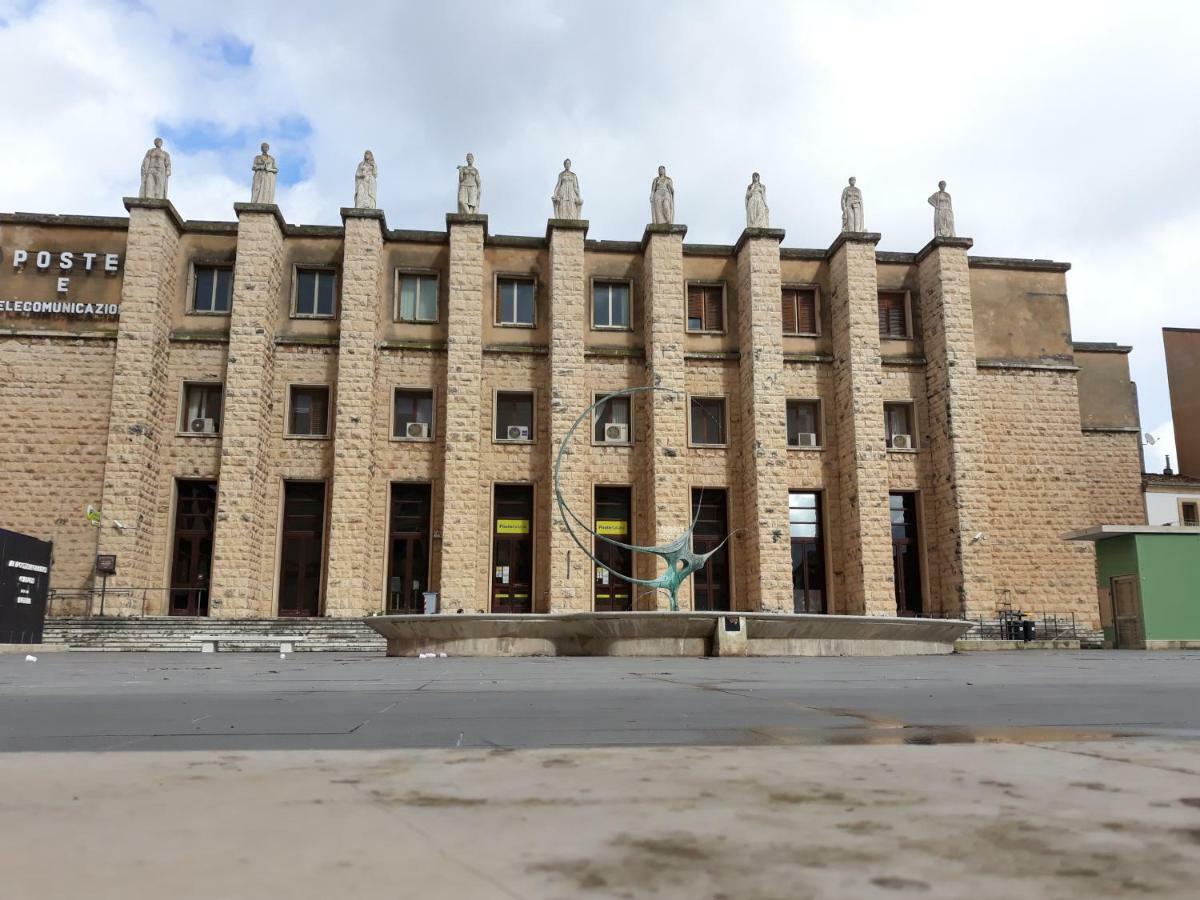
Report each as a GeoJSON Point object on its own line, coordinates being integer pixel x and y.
{"type": "Point", "coordinates": [805, 439]}
{"type": "Point", "coordinates": [204, 426]}
{"type": "Point", "coordinates": [902, 442]}
{"type": "Point", "coordinates": [616, 434]}
{"type": "Point", "coordinates": [416, 430]}
{"type": "Point", "coordinates": [518, 432]}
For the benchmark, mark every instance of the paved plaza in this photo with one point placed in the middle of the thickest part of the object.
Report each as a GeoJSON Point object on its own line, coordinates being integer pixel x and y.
{"type": "Point", "coordinates": [246, 775]}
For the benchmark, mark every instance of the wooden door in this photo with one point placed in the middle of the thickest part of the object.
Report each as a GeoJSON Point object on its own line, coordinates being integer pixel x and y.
{"type": "Point", "coordinates": [1128, 628]}
{"type": "Point", "coordinates": [408, 548]}
{"type": "Point", "coordinates": [512, 549]}
{"type": "Point", "coordinates": [302, 551]}
{"type": "Point", "coordinates": [191, 554]}
{"type": "Point", "coordinates": [711, 584]}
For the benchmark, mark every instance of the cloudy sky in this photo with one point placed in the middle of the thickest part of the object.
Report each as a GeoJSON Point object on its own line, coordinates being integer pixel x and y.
{"type": "Point", "coordinates": [1065, 131]}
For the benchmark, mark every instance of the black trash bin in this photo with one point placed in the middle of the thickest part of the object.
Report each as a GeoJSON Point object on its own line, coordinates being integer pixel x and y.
{"type": "Point", "coordinates": [1028, 630]}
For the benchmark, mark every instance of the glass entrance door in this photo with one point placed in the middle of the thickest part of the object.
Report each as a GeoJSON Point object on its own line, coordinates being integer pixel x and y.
{"type": "Point", "coordinates": [408, 548]}
{"type": "Point", "coordinates": [191, 555]}
{"type": "Point", "coordinates": [302, 552]}
{"type": "Point", "coordinates": [512, 549]}
{"type": "Point", "coordinates": [906, 559]}
{"type": "Point", "coordinates": [711, 583]}
{"type": "Point", "coordinates": [613, 519]}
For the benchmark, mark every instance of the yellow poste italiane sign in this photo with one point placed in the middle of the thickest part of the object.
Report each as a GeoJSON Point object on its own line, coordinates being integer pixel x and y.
{"type": "Point", "coordinates": [512, 526]}
{"type": "Point", "coordinates": [612, 527]}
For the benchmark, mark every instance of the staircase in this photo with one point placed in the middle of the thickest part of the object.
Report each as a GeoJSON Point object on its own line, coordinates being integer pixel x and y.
{"type": "Point", "coordinates": [172, 633]}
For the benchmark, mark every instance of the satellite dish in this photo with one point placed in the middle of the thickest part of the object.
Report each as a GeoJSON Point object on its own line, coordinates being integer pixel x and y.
{"type": "Point", "coordinates": [1150, 439]}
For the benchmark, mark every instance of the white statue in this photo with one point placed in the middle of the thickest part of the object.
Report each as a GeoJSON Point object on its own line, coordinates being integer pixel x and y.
{"type": "Point", "coordinates": [662, 199]}
{"type": "Point", "coordinates": [262, 189]}
{"type": "Point", "coordinates": [365, 177]}
{"type": "Point", "coordinates": [943, 212]}
{"type": "Point", "coordinates": [757, 213]}
{"type": "Point", "coordinates": [568, 204]}
{"type": "Point", "coordinates": [852, 209]}
{"type": "Point", "coordinates": [156, 169]}
{"type": "Point", "coordinates": [470, 186]}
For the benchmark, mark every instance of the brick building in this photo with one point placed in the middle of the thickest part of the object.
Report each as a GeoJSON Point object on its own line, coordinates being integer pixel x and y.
{"type": "Point", "coordinates": [274, 419]}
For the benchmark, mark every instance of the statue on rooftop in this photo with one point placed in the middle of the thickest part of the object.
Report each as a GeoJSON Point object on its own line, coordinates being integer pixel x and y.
{"type": "Point", "coordinates": [662, 199]}
{"type": "Point", "coordinates": [568, 204]}
{"type": "Point", "coordinates": [943, 212]}
{"type": "Point", "coordinates": [262, 188]}
{"type": "Point", "coordinates": [852, 208]}
{"type": "Point", "coordinates": [470, 187]}
{"type": "Point", "coordinates": [156, 169]}
{"type": "Point", "coordinates": [757, 213]}
{"type": "Point", "coordinates": [365, 179]}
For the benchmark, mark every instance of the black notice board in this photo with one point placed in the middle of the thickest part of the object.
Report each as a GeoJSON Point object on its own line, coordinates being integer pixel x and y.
{"type": "Point", "coordinates": [24, 586]}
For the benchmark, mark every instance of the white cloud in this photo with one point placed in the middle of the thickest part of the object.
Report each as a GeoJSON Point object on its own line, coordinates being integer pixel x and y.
{"type": "Point", "coordinates": [1065, 130]}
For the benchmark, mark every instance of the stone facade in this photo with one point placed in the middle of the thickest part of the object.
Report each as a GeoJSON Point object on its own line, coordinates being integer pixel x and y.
{"type": "Point", "coordinates": [1021, 436]}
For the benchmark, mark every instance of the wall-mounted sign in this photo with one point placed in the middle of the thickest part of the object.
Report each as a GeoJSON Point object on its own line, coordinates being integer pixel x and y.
{"type": "Point", "coordinates": [60, 308]}
{"type": "Point", "coordinates": [106, 564]}
{"type": "Point", "coordinates": [612, 527]}
{"type": "Point", "coordinates": [61, 266]}
{"type": "Point", "coordinates": [512, 526]}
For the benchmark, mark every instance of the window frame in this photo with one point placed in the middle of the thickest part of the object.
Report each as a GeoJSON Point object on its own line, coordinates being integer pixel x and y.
{"type": "Point", "coordinates": [402, 271]}
{"type": "Point", "coordinates": [412, 389]}
{"type": "Point", "coordinates": [820, 421]}
{"type": "Point", "coordinates": [908, 318]}
{"type": "Point", "coordinates": [1193, 502]}
{"type": "Point", "coordinates": [533, 416]}
{"type": "Point", "coordinates": [804, 286]}
{"type": "Point", "coordinates": [183, 404]}
{"type": "Point", "coordinates": [600, 279]}
{"type": "Point", "coordinates": [912, 425]}
{"type": "Point", "coordinates": [596, 395]}
{"type": "Point", "coordinates": [195, 264]}
{"type": "Point", "coordinates": [297, 268]}
{"type": "Point", "coordinates": [724, 421]}
{"type": "Point", "coordinates": [820, 541]}
{"type": "Point", "coordinates": [496, 298]}
{"type": "Point", "coordinates": [687, 287]}
{"type": "Point", "coordinates": [287, 413]}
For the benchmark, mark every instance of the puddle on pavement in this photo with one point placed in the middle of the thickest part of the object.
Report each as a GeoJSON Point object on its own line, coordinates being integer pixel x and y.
{"type": "Point", "coordinates": [932, 735]}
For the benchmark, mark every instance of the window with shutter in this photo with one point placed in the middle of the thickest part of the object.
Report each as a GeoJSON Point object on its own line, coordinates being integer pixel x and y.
{"type": "Point", "coordinates": [893, 314]}
{"type": "Point", "coordinates": [705, 307]}
{"type": "Point", "coordinates": [789, 311]}
{"type": "Point", "coordinates": [800, 311]}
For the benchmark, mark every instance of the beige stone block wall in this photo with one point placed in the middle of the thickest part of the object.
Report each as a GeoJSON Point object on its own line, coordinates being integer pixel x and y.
{"type": "Point", "coordinates": [1112, 463]}
{"type": "Point", "coordinates": [354, 484]}
{"type": "Point", "coordinates": [766, 543]}
{"type": "Point", "coordinates": [1037, 492]}
{"type": "Point", "coordinates": [141, 409]}
{"type": "Point", "coordinates": [245, 516]}
{"type": "Point", "coordinates": [865, 539]}
{"type": "Point", "coordinates": [459, 486]}
{"type": "Point", "coordinates": [55, 396]}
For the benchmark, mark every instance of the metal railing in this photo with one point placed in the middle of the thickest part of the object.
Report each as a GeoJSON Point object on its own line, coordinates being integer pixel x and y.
{"type": "Point", "coordinates": [123, 602]}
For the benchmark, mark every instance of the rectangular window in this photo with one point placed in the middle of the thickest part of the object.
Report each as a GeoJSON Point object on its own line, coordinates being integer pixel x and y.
{"type": "Point", "coordinates": [308, 411]}
{"type": "Point", "coordinates": [610, 304]}
{"type": "Point", "coordinates": [705, 307]}
{"type": "Point", "coordinates": [412, 414]}
{"type": "Point", "coordinates": [893, 314]}
{"type": "Point", "coordinates": [201, 409]}
{"type": "Point", "coordinates": [212, 289]}
{"type": "Point", "coordinates": [708, 421]}
{"type": "Point", "coordinates": [1189, 513]}
{"type": "Point", "coordinates": [514, 301]}
{"type": "Point", "coordinates": [808, 553]}
{"type": "Point", "coordinates": [416, 297]}
{"type": "Point", "coordinates": [614, 424]}
{"type": "Point", "coordinates": [514, 416]}
{"type": "Point", "coordinates": [898, 421]}
{"type": "Point", "coordinates": [800, 311]}
{"type": "Point", "coordinates": [804, 423]}
{"type": "Point", "coordinates": [315, 293]}
{"type": "Point", "coordinates": [906, 562]}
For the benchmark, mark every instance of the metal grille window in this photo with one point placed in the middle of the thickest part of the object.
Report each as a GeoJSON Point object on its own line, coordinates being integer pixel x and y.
{"type": "Point", "coordinates": [893, 314]}
{"type": "Point", "coordinates": [808, 554]}
{"type": "Point", "coordinates": [1189, 513]}
{"type": "Point", "coordinates": [708, 421]}
{"type": "Point", "coordinates": [800, 311]}
{"type": "Point", "coordinates": [514, 302]}
{"type": "Point", "coordinates": [201, 409]}
{"type": "Point", "coordinates": [308, 411]}
{"type": "Point", "coordinates": [514, 416]}
{"type": "Point", "coordinates": [898, 426]}
{"type": "Point", "coordinates": [613, 421]}
{"type": "Point", "coordinates": [610, 304]}
{"type": "Point", "coordinates": [416, 298]}
{"type": "Point", "coordinates": [803, 423]}
{"type": "Point", "coordinates": [315, 293]}
{"type": "Point", "coordinates": [212, 289]}
{"type": "Point", "coordinates": [705, 307]}
{"type": "Point", "coordinates": [412, 414]}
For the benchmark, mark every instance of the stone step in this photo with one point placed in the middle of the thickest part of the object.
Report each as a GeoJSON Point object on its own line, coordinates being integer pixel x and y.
{"type": "Point", "coordinates": [173, 633]}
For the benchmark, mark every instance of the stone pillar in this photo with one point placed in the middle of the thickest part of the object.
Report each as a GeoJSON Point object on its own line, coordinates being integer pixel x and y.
{"type": "Point", "coordinates": [463, 495]}
{"type": "Point", "coordinates": [570, 569]}
{"type": "Point", "coordinates": [956, 506]}
{"type": "Point", "coordinates": [350, 531]}
{"type": "Point", "coordinates": [766, 547]}
{"type": "Point", "coordinates": [668, 504]}
{"type": "Point", "coordinates": [245, 526]}
{"type": "Point", "coordinates": [143, 404]}
{"type": "Point", "coordinates": [863, 551]}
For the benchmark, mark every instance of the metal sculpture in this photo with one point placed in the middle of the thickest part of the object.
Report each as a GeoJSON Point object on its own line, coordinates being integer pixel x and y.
{"type": "Point", "coordinates": [681, 560]}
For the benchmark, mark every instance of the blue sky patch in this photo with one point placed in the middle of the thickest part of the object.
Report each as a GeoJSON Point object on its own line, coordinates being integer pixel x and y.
{"type": "Point", "coordinates": [235, 147]}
